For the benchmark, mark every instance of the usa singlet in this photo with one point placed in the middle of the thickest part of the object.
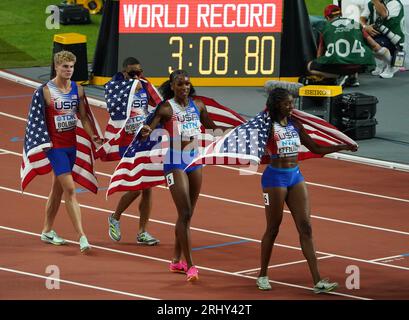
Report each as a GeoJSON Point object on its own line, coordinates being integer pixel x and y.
{"type": "Point", "coordinates": [61, 115]}
{"type": "Point", "coordinates": [285, 142]}
{"type": "Point", "coordinates": [185, 122]}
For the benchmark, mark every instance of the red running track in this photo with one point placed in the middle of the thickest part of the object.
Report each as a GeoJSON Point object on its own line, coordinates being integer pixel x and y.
{"type": "Point", "coordinates": [360, 218]}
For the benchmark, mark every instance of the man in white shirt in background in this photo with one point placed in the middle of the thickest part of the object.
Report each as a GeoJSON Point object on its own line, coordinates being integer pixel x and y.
{"type": "Point", "coordinates": [384, 21]}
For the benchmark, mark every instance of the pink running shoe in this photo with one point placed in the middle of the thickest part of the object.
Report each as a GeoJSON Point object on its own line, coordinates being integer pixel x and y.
{"type": "Point", "coordinates": [178, 267]}
{"type": "Point", "coordinates": [192, 274]}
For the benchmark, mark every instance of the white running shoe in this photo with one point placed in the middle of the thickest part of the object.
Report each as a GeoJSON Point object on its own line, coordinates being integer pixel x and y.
{"type": "Point", "coordinates": [388, 72]}
{"type": "Point", "coordinates": [84, 245]}
{"type": "Point", "coordinates": [380, 67]}
{"type": "Point", "coordinates": [378, 70]}
{"type": "Point", "coordinates": [325, 286]}
{"type": "Point", "coordinates": [52, 237]}
{"type": "Point", "coordinates": [263, 283]}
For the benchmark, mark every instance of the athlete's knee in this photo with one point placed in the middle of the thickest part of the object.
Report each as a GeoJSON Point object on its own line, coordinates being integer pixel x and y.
{"type": "Point", "coordinates": [272, 232]}
{"type": "Point", "coordinates": [57, 190]}
{"type": "Point", "coordinates": [133, 194]}
{"type": "Point", "coordinates": [69, 192]}
{"type": "Point", "coordinates": [185, 215]}
{"type": "Point", "coordinates": [305, 229]}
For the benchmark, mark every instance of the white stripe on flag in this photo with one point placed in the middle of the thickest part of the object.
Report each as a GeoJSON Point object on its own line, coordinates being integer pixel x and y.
{"type": "Point", "coordinates": [117, 183]}
{"type": "Point", "coordinates": [85, 174]}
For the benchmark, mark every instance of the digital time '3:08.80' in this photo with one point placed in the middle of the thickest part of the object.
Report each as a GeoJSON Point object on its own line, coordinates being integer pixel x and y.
{"type": "Point", "coordinates": [234, 55]}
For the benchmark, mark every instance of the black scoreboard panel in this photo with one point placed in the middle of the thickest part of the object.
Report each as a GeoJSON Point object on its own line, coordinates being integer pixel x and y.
{"type": "Point", "coordinates": [219, 43]}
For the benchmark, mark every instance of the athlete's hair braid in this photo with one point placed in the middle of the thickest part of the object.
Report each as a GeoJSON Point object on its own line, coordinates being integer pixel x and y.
{"type": "Point", "coordinates": [165, 89]}
{"type": "Point", "coordinates": [274, 98]}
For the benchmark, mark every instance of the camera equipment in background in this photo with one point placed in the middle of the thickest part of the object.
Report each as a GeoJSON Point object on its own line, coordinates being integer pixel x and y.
{"type": "Point", "coordinates": [393, 37]}
{"type": "Point", "coordinates": [354, 114]}
{"type": "Point", "coordinates": [398, 59]}
{"type": "Point", "coordinates": [73, 14]}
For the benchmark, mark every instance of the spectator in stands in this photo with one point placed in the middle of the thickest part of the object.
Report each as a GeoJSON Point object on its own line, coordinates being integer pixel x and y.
{"type": "Point", "coordinates": [383, 20]}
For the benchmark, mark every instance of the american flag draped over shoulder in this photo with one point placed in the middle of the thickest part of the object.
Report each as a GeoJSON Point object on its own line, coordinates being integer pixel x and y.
{"type": "Point", "coordinates": [37, 141]}
{"type": "Point", "coordinates": [142, 164]}
{"type": "Point", "coordinates": [119, 99]}
{"type": "Point", "coordinates": [247, 142]}
{"type": "Point", "coordinates": [321, 132]}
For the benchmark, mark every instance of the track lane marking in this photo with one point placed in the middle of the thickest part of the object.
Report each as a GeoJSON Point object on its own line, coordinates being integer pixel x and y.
{"type": "Point", "coordinates": [198, 266]}
{"type": "Point", "coordinates": [262, 207]}
{"type": "Point", "coordinates": [79, 284]}
{"type": "Point", "coordinates": [212, 232]}
{"type": "Point", "coordinates": [251, 271]}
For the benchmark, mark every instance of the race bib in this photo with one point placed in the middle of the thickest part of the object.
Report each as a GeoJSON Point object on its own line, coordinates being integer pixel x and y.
{"type": "Point", "coordinates": [189, 124]}
{"type": "Point", "coordinates": [65, 122]}
{"type": "Point", "coordinates": [288, 146]}
{"type": "Point", "coordinates": [133, 124]}
{"type": "Point", "coordinates": [287, 139]}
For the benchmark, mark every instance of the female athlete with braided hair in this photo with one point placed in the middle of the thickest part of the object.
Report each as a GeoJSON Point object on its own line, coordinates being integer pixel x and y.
{"type": "Point", "coordinates": [282, 182]}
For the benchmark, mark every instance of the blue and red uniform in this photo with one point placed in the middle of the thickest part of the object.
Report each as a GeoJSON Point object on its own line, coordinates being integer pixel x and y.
{"type": "Point", "coordinates": [285, 142]}
{"type": "Point", "coordinates": [61, 120]}
{"type": "Point", "coordinates": [184, 125]}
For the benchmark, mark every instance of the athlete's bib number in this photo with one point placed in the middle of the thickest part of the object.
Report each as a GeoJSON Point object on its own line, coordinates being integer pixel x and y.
{"type": "Point", "coordinates": [188, 124]}
{"type": "Point", "coordinates": [288, 146]}
{"type": "Point", "coordinates": [189, 128]}
{"type": "Point", "coordinates": [133, 124]}
{"type": "Point", "coordinates": [343, 48]}
{"type": "Point", "coordinates": [65, 122]}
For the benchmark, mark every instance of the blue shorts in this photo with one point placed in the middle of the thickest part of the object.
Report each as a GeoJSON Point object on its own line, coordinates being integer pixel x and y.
{"type": "Point", "coordinates": [175, 159]}
{"type": "Point", "coordinates": [62, 159]}
{"type": "Point", "coordinates": [281, 177]}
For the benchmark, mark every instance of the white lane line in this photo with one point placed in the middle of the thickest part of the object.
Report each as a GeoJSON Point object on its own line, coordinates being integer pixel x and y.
{"type": "Point", "coordinates": [200, 267]}
{"type": "Point", "coordinates": [11, 152]}
{"type": "Point", "coordinates": [391, 257]}
{"type": "Point", "coordinates": [12, 116]}
{"type": "Point", "coordinates": [212, 232]}
{"type": "Point", "coordinates": [252, 271]}
{"type": "Point", "coordinates": [258, 173]}
{"type": "Point", "coordinates": [262, 207]}
{"type": "Point", "coordinates": [78, 284]}
{"type": "Point", "coordinates": [327, 186]}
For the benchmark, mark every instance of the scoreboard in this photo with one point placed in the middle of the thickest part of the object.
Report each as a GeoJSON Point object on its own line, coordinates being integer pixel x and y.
{"type": "Point", "coordinates": [219, 43]}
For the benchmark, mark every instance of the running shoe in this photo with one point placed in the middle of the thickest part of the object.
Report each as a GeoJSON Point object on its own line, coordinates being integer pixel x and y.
{"type": "Point", "coordinates": [324, 285]}
{"type": "Point", "coordinates": [114, 228]}
{"type": "Point", "coordinates": [380, 67]}
{"type": "Point", "coordinates": [263, 283]}
{"type": "Point", "coordinates": [146, 239]}
{"type": "Point", "coordinates": [52, 237]}
{"type": "Point", "coordinates": [388, 72]}
{"type": "Point", "coordinates": [84, 245]}
{"type": "Point", "coordinates": [192, 274]}
{"type": "Point", "coordinates": [178, 267]}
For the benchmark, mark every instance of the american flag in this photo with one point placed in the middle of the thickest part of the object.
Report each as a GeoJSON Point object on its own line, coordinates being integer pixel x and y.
{"type": "Point", "coordinates": [142, 164]}
{"type": "Point", "coordinates": [247, 142]}
{"type": "Point", "coordinates": [37, 140]}
{"type": "Point", "coordinates": [321, 132]}
{"type": "Point", "coordinates": [119, 99]}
